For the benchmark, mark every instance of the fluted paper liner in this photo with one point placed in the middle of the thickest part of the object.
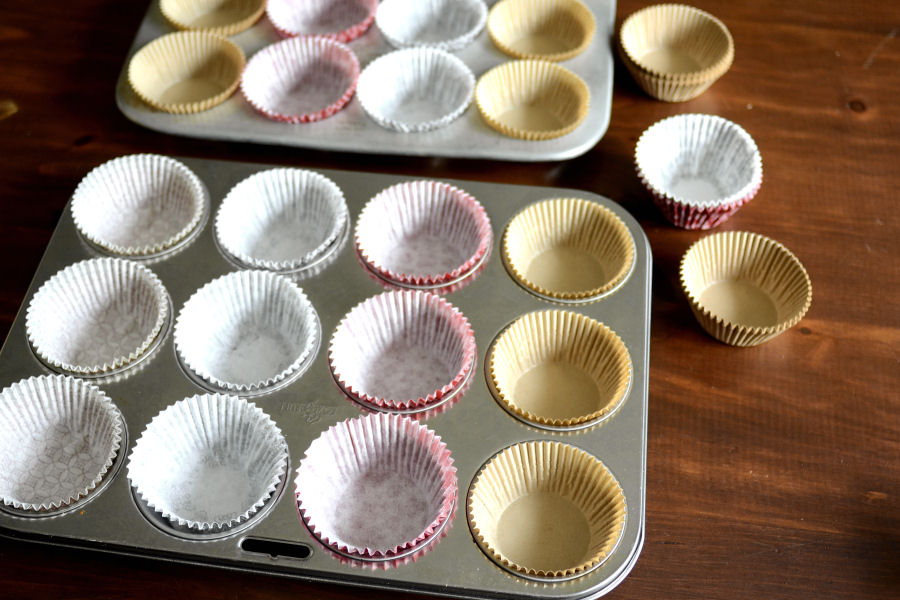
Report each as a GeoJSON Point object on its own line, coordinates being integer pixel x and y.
{"type": "Point", "coordinates": [532, 99]}
{"type": "Point", "coordinates": [208, 462]}
{"type": "Point", "coordinates": [138, 205]}
{"type": "Point", "coordinates": [376, 485]}
{"type": "Point", "coordinates": [415, 89]}
{"type": "Point", "coordinates": [700, 169]}
{"type": "Point", "coordinates": [58, 438]}
{"type": "Point", "coordinates": [546, 509]}
{"type": "Point", "coordinates": [449, 25]}
{"type": "Point", "coordinates": [744, 288]}
{"type": "Point", "coordinates": [96, 316]}
{"type": "Point", "coordinates": [186, 71]}
{"type": "Point", "coordinates": [246, 331]}
{"type": "Point", "coordinates": [423, 233]}
{"type": "Point", "coordinates": [281, 219]}
{"type": "Point", "coordinates": [340, 20]}
{"type": "Point", "coordinates": [560, 368]}
{"type": "Point", "coordinates": [215, 16]}
{"type": "Point", "coordinates": [301, 80]}
{"type": "Point", "coordinates": [568, 249]}
{"type": "Point", "coordinates": [402, 350]}
{"type": "Point", "coordinates": [553, 30]}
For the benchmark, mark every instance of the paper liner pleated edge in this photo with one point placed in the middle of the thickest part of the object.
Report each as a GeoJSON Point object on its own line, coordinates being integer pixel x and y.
{"type": "Point", "coordinates": [449, 45]}
{"type": "Point", "coordinates": [227, 29]}
{"type": "Point", "coordinates": [345, 35]}
{"type": "Point", "coordinates": [576, 8]}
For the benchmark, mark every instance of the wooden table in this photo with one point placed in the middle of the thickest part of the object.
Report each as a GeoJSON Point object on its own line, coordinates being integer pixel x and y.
{"type": "Point", "coordinates": [773, 472]}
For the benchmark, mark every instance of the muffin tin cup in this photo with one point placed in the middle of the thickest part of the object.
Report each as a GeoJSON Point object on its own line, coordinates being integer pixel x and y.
{"type": "Point", "coordinates": [340, 20]}
{"type": "Point", "coordinates": [443, 24]}
{"type": "Point", "coordinates": [213, 16]}
{"type": "Point", "coordinates": [554, 30]}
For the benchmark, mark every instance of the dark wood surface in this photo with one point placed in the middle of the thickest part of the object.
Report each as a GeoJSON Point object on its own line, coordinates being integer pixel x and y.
{"type": "Point", "coordinates": [773, 472]}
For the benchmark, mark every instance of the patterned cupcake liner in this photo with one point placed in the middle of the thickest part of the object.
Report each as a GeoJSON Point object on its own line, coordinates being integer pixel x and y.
{"type": "Point", "coordinates": [339, 20]}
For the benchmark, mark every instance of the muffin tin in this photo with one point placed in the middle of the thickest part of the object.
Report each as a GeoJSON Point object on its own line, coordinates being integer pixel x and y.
{"type": "Point", "coordinates": [351, 130]}
{"type": "Point", "coordinates": [454, 559]}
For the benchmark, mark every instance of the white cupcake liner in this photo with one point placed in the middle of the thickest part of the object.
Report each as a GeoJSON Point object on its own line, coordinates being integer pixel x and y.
{"type": "Point", "coordinates": [301, 80]}
{"type": "Point", "coordinates": [281, 219]}
{"type": "Point", "coordinates": [246, 331]}
{"type": "Point", "coordinates": [402, 350]}
{"type": "Point", "coordinates": [208, 462]}
{"type": "Point", "coordinates": [341, 20]}
{"type": "Point", "coordinates": [376, 485]}
{"type": "Point", "coordinates": [138, 205]}
{"type": "Point", "coordinates": [58, 438]}
{"type": "Point", "coordinates": [96, 316]}
{"type": "Point", "coordinates": [699, 168]}
{"type": "Point", "coordinates": [423, 233]}
{"type": "Point", "coordinates": [415, 89]}
{"type": "Point", "coordinates": [449, 25]}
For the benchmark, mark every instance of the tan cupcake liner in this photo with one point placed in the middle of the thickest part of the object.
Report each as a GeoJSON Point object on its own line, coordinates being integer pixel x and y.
{"type": "Point", "coordinates": [213, 16]}
{"type": "Point", "coordinates": [554, 30]}
{"type": "Point", "coordinates": [665, 89]}
{"type": "Point", "coordinates": [767, 283]}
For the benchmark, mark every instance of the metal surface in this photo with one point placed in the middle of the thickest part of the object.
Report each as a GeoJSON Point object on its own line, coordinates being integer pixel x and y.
{"type": "Point", "coordinates": [474, 426]}
{"type": "Point", "coordinates": [351, 130]}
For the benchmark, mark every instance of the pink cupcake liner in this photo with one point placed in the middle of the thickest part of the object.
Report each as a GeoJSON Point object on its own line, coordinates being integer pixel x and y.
{"type": "Point", "coordinates": [301, 79]}
{"type": "Point", "coordinates": [340, 20]}
{"type": "Point", "coordinates": [692, 217]}
{"type": "Point", "coordinates": [376, 486]}
{"type": "Point", "coordinates": [402, 350]}
{"type": "Point", "coordinates": [423, 234]}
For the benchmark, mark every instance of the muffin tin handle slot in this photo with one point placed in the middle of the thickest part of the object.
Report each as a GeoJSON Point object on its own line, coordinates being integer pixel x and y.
{"type": "Point", "coordinates": [276, 549]}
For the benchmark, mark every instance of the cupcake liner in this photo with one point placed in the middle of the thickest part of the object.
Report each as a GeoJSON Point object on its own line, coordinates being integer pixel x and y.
{"type": "Point", "coordinates": [423, 233]}
{"type": "Point", "coordinates": [186, 72]}
{"type": "Point", "coordinates": [58, 438]}
{"type": "Point", "coordinates": [560, 369]}
{"type": "Point", "coordinates": [453, 285]}
{"type": "Point", "coordinates": [552, 30]}
{"type": "Point", "coordinates": [301, 80]}
{"type": "Point", "coordinates": [700, 169]}
{"type": "Point", "coordinates": [532, 99]}
{"type": "Point", "coordinates": [208, 462]}
{"type": "Point", "coordinates": [448, 25]}
{"type": "Point", "coordinates": [532, 484]}
{"type": "Point", "coordinates": [376, 485]}
{"type": "Point", "coordinates": [340, 20]}
{"type": "Point", "coordinates": [402, 350]}
{"type": "Point", "coordinates": [96, 316]}
{"type": "Point", "coordinates": [744, 288]}
{"type": "Point", "coordinates": [415, 89]}
{"type": "Point", "coordinates": [246, 331]}
{"type": "Point", "coordinates": [568, 249]}
{"type": "Point", "coordinates": [281, 219]}
{"type": "Point", "coordinates": [138, 205]}
{"type": "Point", "coordinates": [214, 16]}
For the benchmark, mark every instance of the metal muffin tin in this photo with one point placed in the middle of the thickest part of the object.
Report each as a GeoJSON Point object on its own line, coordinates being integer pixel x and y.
{"type": "Point", "coordinates": [351, 130]}
{"type": "Point", "coordinates": [474, 427]}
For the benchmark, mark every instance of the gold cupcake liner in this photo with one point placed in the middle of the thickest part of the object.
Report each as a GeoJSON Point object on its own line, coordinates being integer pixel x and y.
{"type": "Point", "coordinates": [186, 72]}
{"type": "Point", "coordinates": [525, 488]}
{"type": "Point", "coordinates": [532, 99]}
{"type": "Point", "coordinates": [744, 288]}
{"type": "Point", "coordinates": [666, 89]}
{"type": "Point", "coordinates": [560, 369]}
{"type": "Point", "coordinates": [568, 249]}
{"type": "Point", "coordinates": [553, 30]}
{"type": "Point", "coordinates": [212, 16]}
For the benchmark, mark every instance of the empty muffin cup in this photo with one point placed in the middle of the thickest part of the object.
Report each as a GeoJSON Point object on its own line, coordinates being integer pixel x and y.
{"type": "Point", "coordinates": [209, 462]}
{"type": "Point", "coordinates": [568, 249]}
{"type": "Point", "coordinates": [744, 288]}
{"type": "Point", "coordinates": [699, 169]}
{"type": "Point", "coordinates": [186, 71]}
{"type": "Point", "coordinates": [532, 99]}
{"type": "Point", "coordinates": [376, 486]}
{"type": "Point", "coordinates": [281, 219]}
{"type": "Point", "coordinates": [415, 89]}
{"type": "Point", "coordinates": [247, 332]}
{"type": "Point", "coordinates": [557, 368]}
{"type": "Point", "coordinates": [444, 24]}
{"type": "Point", "coordinates": [423, 234]}
{"type": "Point", "coordinates": [138, 205]}
{"type": "Point", "coordinates": [301, 80]}
{"type": "Point", "coordinates": [215, 16]}
{"type": "Point", "coordinates": [97, 316]}
{"type": "Point", "coordinates": [545, 29]}
{"type": "Point", "coordinates": [546, 510]}
{"type": "Point", "coordinates": [59, 437]}
{"type": "Point", "coordinates": [340, 20]}
{"type": "Point", "coordinates": [402, 350]}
